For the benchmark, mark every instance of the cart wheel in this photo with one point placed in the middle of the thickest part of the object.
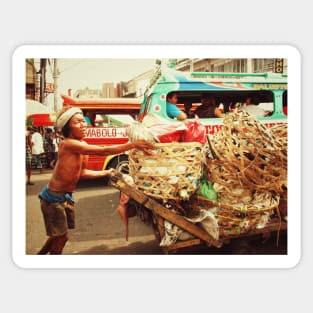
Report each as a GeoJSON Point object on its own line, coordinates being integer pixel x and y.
{"type": "Point", "coordinates": [120, 163]}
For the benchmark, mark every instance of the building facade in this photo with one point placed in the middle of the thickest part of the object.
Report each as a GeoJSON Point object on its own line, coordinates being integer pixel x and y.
{"type": "Point", "coordinates": [39, 80]}
{"type": "Point", "coordinates": [232, 65]}
{"type": "Point", "coordinates": [137, 86]}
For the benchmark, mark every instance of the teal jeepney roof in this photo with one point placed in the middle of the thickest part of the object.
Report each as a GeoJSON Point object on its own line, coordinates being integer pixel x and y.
{"type": "Point", "coordinates": [170, 79]}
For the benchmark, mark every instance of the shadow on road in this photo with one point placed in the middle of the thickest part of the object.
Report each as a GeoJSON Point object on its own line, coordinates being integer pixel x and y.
{"type": "Point", "coordinates": [255, 245]}
{"type": "Point", "coordinates": [40, 180]}
{"type": "Point", "coordinates": [135, 248]}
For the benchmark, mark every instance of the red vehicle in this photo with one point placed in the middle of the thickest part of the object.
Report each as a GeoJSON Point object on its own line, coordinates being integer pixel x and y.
{"type": "Point", "coordinates": [108, 122]}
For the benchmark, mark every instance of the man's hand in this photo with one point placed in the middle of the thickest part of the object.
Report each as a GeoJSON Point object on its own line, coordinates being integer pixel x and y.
{"type": "Point", "coordinates": [110, 172]}
{"type": "Point", "coordinates": [144, 145]}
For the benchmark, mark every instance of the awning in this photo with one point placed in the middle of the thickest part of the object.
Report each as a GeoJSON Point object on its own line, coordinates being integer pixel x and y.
{"type": "Point", "coordinates": [41, 119]}
{"type": "Point", "coordinates": [36, 107]}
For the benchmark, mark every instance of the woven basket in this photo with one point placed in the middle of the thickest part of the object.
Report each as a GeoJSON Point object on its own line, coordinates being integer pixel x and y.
{"type": "Point", "coordinates": [236, 219]}
{"type": "Point", "coordinates": [248, 155]}
{"type": "Point", "coordinates": [172, 171]}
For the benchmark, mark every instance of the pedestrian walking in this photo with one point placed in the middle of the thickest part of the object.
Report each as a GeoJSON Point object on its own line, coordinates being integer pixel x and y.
{"type": "Point", "coordinates": [56, 198]}
{"type": "Point", "coordinates": [49, 144]}
{"type": "Point", "coordinates": [55, 148]}
{"type": "Point", "coordinates": [28, 155]}
{"type": "Point", "coordinates": [37, 147]}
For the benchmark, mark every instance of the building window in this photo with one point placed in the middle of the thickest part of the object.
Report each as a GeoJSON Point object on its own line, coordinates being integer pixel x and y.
{"type": "Point", "coordinates": [263, 65]}
{"type": "Point", "coordinates": [239, 65]}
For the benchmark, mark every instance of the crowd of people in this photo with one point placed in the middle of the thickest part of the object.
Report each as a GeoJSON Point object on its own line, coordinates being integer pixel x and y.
{"type": "Point", "coordinates": [41, 146]}
{"type": "Point", "coordinates": [209, 108]}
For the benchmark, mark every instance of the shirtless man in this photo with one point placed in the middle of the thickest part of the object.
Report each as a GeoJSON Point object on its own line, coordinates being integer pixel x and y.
{"type": "Point", "coordinates": [57, 203]}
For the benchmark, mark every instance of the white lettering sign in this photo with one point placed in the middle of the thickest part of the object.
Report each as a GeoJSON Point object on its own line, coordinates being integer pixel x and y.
{"type": "Point", "coordinates": [106, 132]}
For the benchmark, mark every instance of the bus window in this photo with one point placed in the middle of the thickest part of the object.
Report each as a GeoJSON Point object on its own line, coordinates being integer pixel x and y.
{"type": "Point", "coordinates": [229, 100]}
{"type": "Point", "coordinates": [117, 120]}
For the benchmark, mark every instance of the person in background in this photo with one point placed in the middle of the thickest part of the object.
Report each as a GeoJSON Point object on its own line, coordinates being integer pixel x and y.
{"type": "Point", "coordinates": [90, 118]}
{"type": "Point", "coordinates": [28, 148]}
{"type": "Point", "coordinates": [187, 109]}
{"type": "Point", "coordinates": [208, 107]}
{"type": "Point", "coordinates": [37, 147]}
{"type": "Point", "coordinates": [221, 107]}
{"type": "Point", "coordinates": [56, 198]}
{"type": "Point", "coordinates": [251, 108]}
{"type": "Point", "coordinates": [56, 143]}
{"type": "Point", "coordinates": [55, 149]}
{"type": "Point", "coordinates": [49, 141]}
{"type": "Point", "coordinates": [171, 107]}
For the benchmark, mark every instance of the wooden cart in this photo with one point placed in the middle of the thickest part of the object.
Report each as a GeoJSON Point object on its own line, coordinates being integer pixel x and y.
{"type": "Point", "coordinates": [158, 213]}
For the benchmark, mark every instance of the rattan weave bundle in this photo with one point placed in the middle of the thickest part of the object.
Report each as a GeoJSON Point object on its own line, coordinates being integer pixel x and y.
{"type": "Point", "coordinates": [241, 216]}
{"type": "Point", "coordinates": [172, 171]}
{"type": "Point", "coordinates": [280, 133]}
{"type": "Point", "coordinates": [248, 157]}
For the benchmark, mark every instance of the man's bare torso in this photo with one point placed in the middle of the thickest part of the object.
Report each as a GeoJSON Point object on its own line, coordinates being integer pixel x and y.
{"type": "Point", "coordinates": [68, 169]}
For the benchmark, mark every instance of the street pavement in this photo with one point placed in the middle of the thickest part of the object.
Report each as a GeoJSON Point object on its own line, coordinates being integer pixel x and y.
{"type": "Point", "coordinates": [99, 228]}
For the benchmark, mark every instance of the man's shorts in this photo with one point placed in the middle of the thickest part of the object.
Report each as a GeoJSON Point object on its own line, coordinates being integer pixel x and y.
{"type": "Point", "coordinates": [58, 217]}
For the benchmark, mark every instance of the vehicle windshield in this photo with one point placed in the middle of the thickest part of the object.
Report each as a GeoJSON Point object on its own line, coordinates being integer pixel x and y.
{"type": "Point", "coordinates": [119, 120]}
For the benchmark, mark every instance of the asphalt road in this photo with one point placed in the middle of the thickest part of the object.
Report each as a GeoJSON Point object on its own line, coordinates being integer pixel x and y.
{"type": "Point", "coordinates": [99, 229]}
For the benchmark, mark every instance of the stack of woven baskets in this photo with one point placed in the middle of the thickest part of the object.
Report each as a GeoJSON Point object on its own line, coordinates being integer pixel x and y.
{"type": "Point", "coordinates": [247, 162]}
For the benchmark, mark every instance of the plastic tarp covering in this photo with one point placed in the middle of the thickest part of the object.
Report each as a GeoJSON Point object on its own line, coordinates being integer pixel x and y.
{"type": "Point", "coordinates": [205, 219]}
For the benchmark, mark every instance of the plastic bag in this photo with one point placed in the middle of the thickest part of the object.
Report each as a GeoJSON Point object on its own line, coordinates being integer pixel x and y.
{"type": "Point", "coordinates": [137, 131]}
{"type": "Point", "coordinates": [164, 130]}
{"type": "Point", "coordinates": [195, 132]}
{"type": "Point", "coordinates": [206, 190]}
{"type": "Point", "coordinates": [207, 221]}
{"type": "Point", "coordinates": [168, 132]}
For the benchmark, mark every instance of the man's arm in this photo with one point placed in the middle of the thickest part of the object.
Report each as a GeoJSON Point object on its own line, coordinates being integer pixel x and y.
{"type": "Point", "coordinates": [82, 147]}
{"type": "Point", "coordinates": [218, 113]}
{"type": "Point", "coordinates": [182, 116]}
{"type": "Point", "coordinates": [90, 174]}
{"type": "Point", "coordinates": [173, 111]}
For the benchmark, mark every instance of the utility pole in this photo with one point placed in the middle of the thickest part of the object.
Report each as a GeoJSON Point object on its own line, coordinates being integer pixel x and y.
{"type": "Point", "coordinates": [43, 64]}
{"type": "Point", "coordinates": [55, 82]}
